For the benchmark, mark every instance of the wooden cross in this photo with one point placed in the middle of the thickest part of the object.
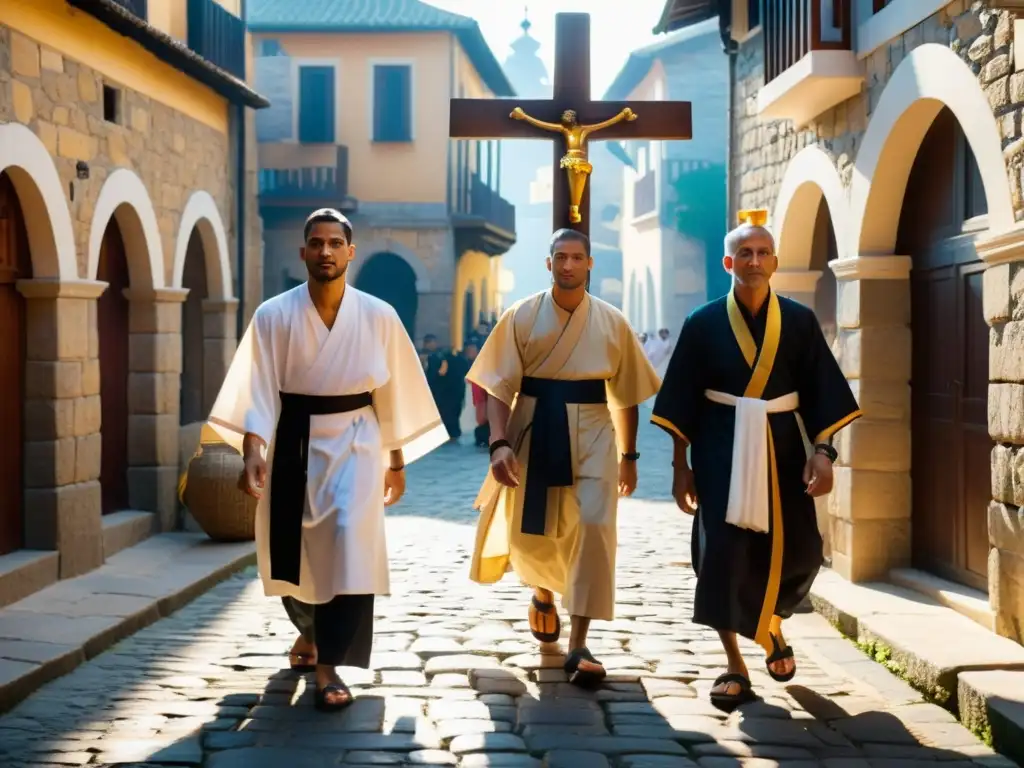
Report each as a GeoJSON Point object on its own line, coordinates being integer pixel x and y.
{"type": "Point", "coordinates": [490, 118]}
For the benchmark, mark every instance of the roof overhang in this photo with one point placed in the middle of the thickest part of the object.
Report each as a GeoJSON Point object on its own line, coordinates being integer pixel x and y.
{"type": "Point", "coordinates": [171, 51]}
{"type": "Point", "coordinates": [681, 13]}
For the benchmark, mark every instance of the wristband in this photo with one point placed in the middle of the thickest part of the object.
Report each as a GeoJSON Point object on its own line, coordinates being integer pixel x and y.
{"type": "Point", "coordinates": [827, 451]}
{"type": "Point", "coordinates": [399, 468]}
{"type": "Point", "coordinates": [499, 444]}
{"type": "Point", "coordinates": [631, 456]}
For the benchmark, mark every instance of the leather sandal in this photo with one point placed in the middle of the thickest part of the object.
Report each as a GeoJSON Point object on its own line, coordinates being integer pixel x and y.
{"type": "Point", "coordinates": [727, 702]}
{"type": "Point", "coordinates": [302, 662]}
{"type": "Point", "coordinates": [537, 609]}
{"type": "Point", "coordinates": [320, 699]}
{"type": "Point", "coordinates": [779, 654]}
{"type": "Point", "coordinates": [583, 678]}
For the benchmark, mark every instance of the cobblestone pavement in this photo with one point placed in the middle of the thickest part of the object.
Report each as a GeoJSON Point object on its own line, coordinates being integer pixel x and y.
{"type": "Point", "coordinates": [457, 680]}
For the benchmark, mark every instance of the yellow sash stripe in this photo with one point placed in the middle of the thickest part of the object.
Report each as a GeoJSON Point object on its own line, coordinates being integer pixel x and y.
{"type": "Point", "coordinates": [826, 433]}
{"type": "Point", "coordinates": [765, 361]}
{"type": "Point", "coordinates": [661, 421]}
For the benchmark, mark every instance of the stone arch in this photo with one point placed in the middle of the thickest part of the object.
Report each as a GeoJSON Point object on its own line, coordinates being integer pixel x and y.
{"type": "Point", "coordinates": [930, 77]}
{"type": "Point", "coordinates": [810, 177]}
{"type": "Point", "coordinates": [51, 236]}
{"type": "Point", "coordinates": [125, 197]}
{"type": "Point", "coordinates": [201, 213]}
{"type": "Point", "coordinates": [386, 245]}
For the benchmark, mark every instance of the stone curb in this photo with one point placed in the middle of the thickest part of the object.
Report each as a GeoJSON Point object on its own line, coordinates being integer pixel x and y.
{"type": "Point", "coordinates": [42, 659]}
{"type": "Point", "coordinates": [983, 686]}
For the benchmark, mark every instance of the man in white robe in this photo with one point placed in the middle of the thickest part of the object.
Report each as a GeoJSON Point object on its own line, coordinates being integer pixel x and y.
{"type": "Point", "coordinates": [328, 384]}
{"type": "Point", "coordinates": [564, 374]}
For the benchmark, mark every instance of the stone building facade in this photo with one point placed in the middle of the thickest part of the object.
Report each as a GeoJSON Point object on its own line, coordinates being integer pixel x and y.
{"type": "Point", "coordinates": [868, 229]}
{"type": "Point", "coordinates": [118, 177]}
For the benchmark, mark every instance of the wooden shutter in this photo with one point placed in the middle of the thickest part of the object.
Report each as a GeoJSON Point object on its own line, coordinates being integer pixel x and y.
{"type": "Point", "coordinates": [316, 105]}
{"type": "Point", "coordinates": [392, 103]}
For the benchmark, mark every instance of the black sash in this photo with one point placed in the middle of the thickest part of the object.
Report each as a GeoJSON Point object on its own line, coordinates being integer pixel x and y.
{"type": "Point", "coordinates": [549, 464]}
{"type": "Point", "coordinates": [288, 474]}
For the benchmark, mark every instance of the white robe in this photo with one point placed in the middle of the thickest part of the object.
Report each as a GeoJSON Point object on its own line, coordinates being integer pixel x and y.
{"type": "Point", "coordinates": [287, 348]}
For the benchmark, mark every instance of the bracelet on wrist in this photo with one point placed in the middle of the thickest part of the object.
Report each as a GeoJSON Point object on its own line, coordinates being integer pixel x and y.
{"type": "Point", "coordinates": [399, 468]}
{"type": "Point", "coordinates": [499, 444]}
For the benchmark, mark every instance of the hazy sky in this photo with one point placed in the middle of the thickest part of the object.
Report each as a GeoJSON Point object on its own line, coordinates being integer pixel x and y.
{"type": "Point", "coordinates": [614, 30]}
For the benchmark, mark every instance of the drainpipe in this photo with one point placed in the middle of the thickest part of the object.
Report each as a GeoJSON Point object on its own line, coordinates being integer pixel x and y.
{"type": "Point", "coordinates": [240, 199]}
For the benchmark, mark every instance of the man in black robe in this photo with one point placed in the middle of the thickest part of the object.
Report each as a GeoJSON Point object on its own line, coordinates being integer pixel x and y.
{"type": "Point", "coordinates": [744, 367]}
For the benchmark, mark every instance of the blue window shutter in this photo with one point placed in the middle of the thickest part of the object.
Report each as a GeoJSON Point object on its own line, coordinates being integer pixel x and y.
{"type": "Point", "coordinates": [316, 105]}
{"type": "Point", "coordinates": [392, 103]}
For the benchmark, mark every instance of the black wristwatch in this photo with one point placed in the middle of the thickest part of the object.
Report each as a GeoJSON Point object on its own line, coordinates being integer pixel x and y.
{"type": "Point", "coordinates": [630, 456]}
{"type": "Point", "coordinates": [828, 451]}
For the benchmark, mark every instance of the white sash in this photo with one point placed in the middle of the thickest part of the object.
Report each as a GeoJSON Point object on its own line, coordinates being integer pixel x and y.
{"type": "Point", "coordinates": [748, 486]}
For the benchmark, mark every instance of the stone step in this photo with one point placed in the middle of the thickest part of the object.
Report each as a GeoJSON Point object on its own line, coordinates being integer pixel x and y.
{"type": "Point", "coordinates": [49, 633]}
{"type": "Point", "coordinates": [992, 705]}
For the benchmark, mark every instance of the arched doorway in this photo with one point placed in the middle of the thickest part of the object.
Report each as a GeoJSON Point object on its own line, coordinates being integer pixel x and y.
{"type": "Point", "coordinates": [823, 250]}
{"type": "Point", "coordinates": [950, 451]}
{"type": "Point", "coordinates": [389, 277]}
{"type": "Point", "coordinates": [112, 323]}
{"type": "Point", "coordinates": [15, 264]}
{"type": "Point", "coordinates": [192, 405]}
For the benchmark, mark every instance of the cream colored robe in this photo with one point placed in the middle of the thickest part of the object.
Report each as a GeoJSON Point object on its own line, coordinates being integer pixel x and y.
{"type": "Point", "coordinates": [576, 558]}
{"type": "Point", "coordinates": [287, 348]}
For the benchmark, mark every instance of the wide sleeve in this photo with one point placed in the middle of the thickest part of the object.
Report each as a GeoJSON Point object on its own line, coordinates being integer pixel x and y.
{"type": "Point", "coordinates": [248, 401]}
{"type": "Point", "coordinates": [404, 405]}
{"type": "Point", "coordinates": [678, 403]}
{"type": "Point", "coordinates": [498, 368]}
{"type": "Point", "coordinates": [827, 403]}
{"type": "Point", "coordinates": [635, 379]}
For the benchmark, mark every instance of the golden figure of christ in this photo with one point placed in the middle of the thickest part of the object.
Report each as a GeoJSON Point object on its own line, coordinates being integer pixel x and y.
{"type": "Point", "coordinates": [574, 161]}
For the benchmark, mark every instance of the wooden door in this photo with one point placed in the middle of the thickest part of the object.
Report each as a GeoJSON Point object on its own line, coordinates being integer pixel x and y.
{"type": "Point", "coordinates": [112, 321]}
{"type": "Point", "coordinates": [949, 373]}
{"type": "Point", "coordinates": [15, 264]}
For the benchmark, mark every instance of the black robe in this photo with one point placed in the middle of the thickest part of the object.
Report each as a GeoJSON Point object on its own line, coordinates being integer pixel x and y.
{"type": "Point", "coordinates": [744, 576]}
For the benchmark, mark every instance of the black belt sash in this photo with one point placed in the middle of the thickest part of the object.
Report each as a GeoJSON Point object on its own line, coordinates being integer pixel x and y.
{"type": "Point", "coordinates": [288, 475]}
{"type": "Point", "coordinates": [549, 464]}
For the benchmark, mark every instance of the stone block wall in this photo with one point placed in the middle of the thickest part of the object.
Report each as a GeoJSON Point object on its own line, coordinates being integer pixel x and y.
{"type": "Point", "coordinates": [1004, 310]}
{"type": "Point", "coordinates": [61, 100]}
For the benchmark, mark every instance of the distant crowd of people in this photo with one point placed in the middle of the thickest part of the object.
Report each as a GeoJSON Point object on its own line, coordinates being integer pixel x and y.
{"type": "Point", "coordinates": [446, 371]}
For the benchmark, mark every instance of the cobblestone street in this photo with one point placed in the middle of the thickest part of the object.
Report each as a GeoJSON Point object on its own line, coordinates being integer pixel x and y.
{"type": "Point", "coordinates": [457, 679]}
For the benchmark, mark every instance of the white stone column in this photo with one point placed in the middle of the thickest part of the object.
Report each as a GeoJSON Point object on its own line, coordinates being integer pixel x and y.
{"type": "Point", "coordinates": [219, 343]}
{"type": "Point", "coordinates": [798, 285]}
{"type": "Point", "coordinates": [154, 391]}
{"type": "Point", "coordinates": [870, 506]}
{"type": "Point", "coordinates": [63, 506]}
{"type": "Point", "coordinates": [1004, 311]}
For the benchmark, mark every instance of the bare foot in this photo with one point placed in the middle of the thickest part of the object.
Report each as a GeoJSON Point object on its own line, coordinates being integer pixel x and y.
{"type": "Point", "coordinates": [782, 667]}
{"type": "Point", "coordinates": [302, 654]}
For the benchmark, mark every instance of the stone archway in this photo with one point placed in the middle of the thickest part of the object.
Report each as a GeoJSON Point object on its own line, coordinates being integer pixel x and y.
{"type": "Point", "coordinates": [57, 372]}
{"type": "Point", "coordinates": [142, 360]}
{"type": "Point", "coordinates": [202, 267]}
{"type": "Point", "coordinates": [872, 501]}
{"type": "Point", "coordinates": [391, 278]}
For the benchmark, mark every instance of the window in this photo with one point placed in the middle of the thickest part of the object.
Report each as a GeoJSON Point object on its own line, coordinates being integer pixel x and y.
{"type": "Point", "coordinates": [392, 102]}
{"type": "Point", "coordinates": [316, 105]}
{"type": "Point", "coordinates": [111, 104]}
{"type": "Point", "coordinates": [271, 48]}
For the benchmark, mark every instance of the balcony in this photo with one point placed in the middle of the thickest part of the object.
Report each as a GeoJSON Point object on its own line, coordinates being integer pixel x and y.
{"type": "Point", "coordinates": [809, 66]}
{"type": "Point", "coordinates": [136, 7]}
{"type": "Point", "coordinates": [304, 176]}
{"type": "Point", "coordinates": [217, 35]}
{"type": "Point", "coordinates": [645, 194]}
{"type": "Point", "coordinates": [483, 220]}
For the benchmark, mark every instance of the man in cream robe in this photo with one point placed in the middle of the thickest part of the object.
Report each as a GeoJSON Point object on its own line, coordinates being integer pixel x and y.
{"type": "Point", "coordinates": [333, 404]}
{"type": "Point", "coordinates": [573, 381]}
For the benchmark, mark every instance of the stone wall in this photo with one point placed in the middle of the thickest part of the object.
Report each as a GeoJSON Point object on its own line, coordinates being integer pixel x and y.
{"type": "Point", "coordinates": [762, 149]}
{"type": "Point", "coordinates": [61, 100]}
{"type": "Point", "coordinates": [1004, 310]}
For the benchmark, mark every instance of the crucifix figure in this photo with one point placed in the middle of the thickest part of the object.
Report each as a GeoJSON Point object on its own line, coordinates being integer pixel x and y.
{"type": "Point", "coordinates": [572, 118]}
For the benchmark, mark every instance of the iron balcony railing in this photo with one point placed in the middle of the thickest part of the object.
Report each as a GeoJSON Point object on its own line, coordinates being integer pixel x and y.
{"type": "Point", "coordinates": [217, 35]}
{"type": "Point", "coordinates": [794, 28]}
{"type": "Point", "coordinates": [487, 204]}
{"type": "Point", "coordinates": [307, 184]}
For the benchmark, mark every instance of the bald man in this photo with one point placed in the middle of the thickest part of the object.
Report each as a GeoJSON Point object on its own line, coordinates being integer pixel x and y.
{"type": "Point", "coordinates": [744, 368]}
